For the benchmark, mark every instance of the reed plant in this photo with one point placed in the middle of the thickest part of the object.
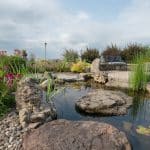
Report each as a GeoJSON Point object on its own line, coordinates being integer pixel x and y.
{"type": "Point", "coordinates": [140, 74]}
{"type": "Point", "coordinates": [52, 91]}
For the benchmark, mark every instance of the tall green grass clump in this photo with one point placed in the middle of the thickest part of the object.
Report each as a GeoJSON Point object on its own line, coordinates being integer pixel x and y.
{"type": "Point", "coordinates": [52, 91]}
{"type": "Point", "coordinates": [140, 76]}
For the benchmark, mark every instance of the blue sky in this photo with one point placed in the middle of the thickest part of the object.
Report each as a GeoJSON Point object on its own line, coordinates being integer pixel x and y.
{"type": "Point", "coordinates": [102, 10]}
{"type": "Point", "coordinates": [75, 24]}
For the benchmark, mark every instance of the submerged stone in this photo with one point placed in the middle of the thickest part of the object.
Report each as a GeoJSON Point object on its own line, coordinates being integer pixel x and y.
{"type": "Point", "coordinates": [105, 102]}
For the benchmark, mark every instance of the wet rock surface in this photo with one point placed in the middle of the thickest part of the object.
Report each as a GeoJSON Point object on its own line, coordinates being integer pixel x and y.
{"type": "Point", "coordinates": [75, 135]}
{"type": "Point", "coordinates": [105, 102]}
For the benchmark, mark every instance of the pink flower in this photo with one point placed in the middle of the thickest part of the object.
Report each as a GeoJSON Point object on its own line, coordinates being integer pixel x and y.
{"type": "Point", "coordinates": [10, 79]}
{"type": "Point", "coordinates": [10, 76]}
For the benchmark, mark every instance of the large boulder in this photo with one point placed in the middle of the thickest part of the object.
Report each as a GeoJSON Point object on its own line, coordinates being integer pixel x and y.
{"type": "Point", "coordinates": [95, 66]}
{"type": "Point", "coordinates": [98, 75]}
{"type": "Point", "coordinates": [104, 102]}
{"type": "Point", "coordinates": [31, 104]}
{"type": "Point", "coordinates": [75, 135]}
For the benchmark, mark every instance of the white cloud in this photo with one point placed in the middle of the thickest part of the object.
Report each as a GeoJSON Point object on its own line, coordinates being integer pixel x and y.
{"type": "Point", "coordinates": [28, 23]}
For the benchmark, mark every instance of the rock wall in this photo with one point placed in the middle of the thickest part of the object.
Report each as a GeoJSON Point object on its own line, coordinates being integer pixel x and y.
{"type": "Point", "coordinates": [31, 105]}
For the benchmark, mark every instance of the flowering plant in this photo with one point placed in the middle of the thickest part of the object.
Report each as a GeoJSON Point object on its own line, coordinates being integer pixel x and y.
{"type": "Point", "coordinates": [11, 71]}
{"type": "Point", "coordinates": [11, 79]}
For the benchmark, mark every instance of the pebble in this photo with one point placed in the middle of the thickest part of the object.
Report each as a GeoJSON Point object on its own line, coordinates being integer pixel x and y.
{"type": "Point", "coordinates": [11, 132]}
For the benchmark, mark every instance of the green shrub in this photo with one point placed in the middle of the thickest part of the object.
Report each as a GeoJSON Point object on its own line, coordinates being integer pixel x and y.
{"type": "Point", "coordinates": [7, 100]}
{"type": "Point", "coordinates": [80, 67]}
{"type": "Point", "coordinates": [6, 96]}
{"type": "Point", "coordinates": [128, 54]}
{"type": "Point", "coordinates": [64, 66]}
{"type": "Point", "coordinates": [70, 55]}
{"type": "Point", "coordinates": [111, 51]}
{"type": "Point", "coordinates": [13, 64]}
{"type": "Point", "coordinates": [41, 66]}
{"type": "Point", "coordinates": [89, 55]}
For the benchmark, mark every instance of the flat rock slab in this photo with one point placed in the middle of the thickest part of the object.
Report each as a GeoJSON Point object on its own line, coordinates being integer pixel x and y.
{"type": "Point", "coordinates": [69, 77]}
{"type": "Point", "coordinates": [105, 102]}
{"type": "Point", "coordinates": [75, 135]}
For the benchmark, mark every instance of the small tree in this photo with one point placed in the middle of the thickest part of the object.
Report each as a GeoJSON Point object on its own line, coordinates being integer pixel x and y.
{"type": "Point", "coordinates": [70, 55]}
{"type": "Point", "coordinates": [129, 52]}
{"type": "Point", "coordinates": [24, 54]}
{"type": "Point", "coordinates": [111, 51]}
{"type": "Point", "coordinates": [90, 54]}
{"type": "Point", "coordinates": [21, 53]}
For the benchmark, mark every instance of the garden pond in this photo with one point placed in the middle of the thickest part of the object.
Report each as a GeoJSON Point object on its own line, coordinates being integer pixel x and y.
{"type": "Point", "coordinates": [138, 114]}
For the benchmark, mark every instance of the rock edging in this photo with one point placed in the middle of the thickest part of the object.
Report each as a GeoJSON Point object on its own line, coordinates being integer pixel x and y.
{"type": "Point", "coordinates": [31, 104]}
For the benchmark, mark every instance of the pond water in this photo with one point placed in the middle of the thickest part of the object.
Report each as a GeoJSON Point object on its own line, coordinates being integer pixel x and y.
{"type": "Point", "coordinates": [138, 114]}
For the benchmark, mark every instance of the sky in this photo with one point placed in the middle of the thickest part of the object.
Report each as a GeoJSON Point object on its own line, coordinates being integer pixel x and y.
{"type": "Point", "coordinates": [72, 24]}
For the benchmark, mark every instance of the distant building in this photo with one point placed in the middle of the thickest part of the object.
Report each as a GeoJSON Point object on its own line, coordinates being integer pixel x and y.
{"type": "Point", "coordinates": [113, 59]}
{"type": "Point", "coordinates": [112, 63]}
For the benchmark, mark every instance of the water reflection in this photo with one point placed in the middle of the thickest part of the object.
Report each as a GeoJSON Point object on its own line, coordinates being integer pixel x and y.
{"type": "Point", "coordinates": [140, 109]}
{"type": "Point", "coordinates": [84, 85]}
{"type": "Point", "coordinates": [138, 102]}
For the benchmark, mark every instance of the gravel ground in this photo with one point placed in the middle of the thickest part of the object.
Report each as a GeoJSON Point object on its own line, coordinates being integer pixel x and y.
{"type": "Point", "coordinates": [10, 132]}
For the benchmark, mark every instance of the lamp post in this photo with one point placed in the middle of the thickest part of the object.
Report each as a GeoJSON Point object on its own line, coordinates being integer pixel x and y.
{"type": "Point", "coordinates": [45, 44]}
